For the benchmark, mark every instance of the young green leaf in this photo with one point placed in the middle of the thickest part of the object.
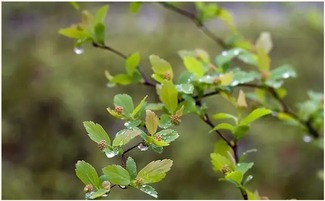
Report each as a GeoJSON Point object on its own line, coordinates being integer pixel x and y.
{"type": "Point", "coordinates": [224, 126]}
{"type": "Point", "coordinates": [73, 32]}
{"type": "Point", "coordinates": [124, 136]}
{"type": "Point", "coordinates": [117, 175]}
{"type": "Point", "coordinates": [224, 116]}
{"type": "Point", "coordinates": [164, 121]}
{"type": "Point", "coordinates": [255, 114]}
{"type": "Point", "coordinates": [124, 101]}
{"type": "Point", "coordinates": [156, 141]}
{"type": "Point", "coordinates": [219, 162]}
{"type": "Point", "coordinates": [131, 167]}
{"type": "Point", "coordinates": [264, 42]}
{"type": "Point", "coordinates": [155, 171]}
{"type": "Point", "coordinates": [98, 193]}
{"type": "Point", "coordinates": [87, 174]}
{"type": "Point", "coordinates": [168, 135]}
{"type": "Point", "coordinates": [185, 88]}
{"type": "Point", "coordinates": [263, 61]}
{"type": "Point", "coordinates": [194, 66]}
{"type": "Point", "coordinates": [222, 148]}
{"type": "Point", "coordinates": [132, 63]}
{"type": "Point", "coordinates": [161, 66]}
{"type": "Point", "coordinates": [235, 176]}
{"type": "Point", "coordinates": [226, 56]}
{"type": "Point", "coordinates": [226, 79]}
{"type": "Point", "coordinates": [152, 122]}
{"type": "Point", "coordinates": [149, 190]}
{"type": "Point", "coordinates": [241, 101]}
{"type": "Point", "coordinates": [100, 33]}
{"type": "Point", "coordinates": [75, 5]}
{"type": "Point", "coordinates": [139, 107]}
{"type": "Point", "coordinates": [96, 132]}
{"type": "Point", "coordinates": [283, 72]}
{"type": "Point", "coordinates": [169, 96]}
{"type": "Point", "coordinates": [244, 167]}
{"type": "Point", "coordinates": [101, 14]}
{"type": "Point", "coordinates": [121, 79]}
{"type": "Point", "coordinates": [240, 131]}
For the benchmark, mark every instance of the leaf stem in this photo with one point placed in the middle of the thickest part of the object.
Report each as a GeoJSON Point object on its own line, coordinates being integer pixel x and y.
{"type": "Point", "coordinates": [123, 159]}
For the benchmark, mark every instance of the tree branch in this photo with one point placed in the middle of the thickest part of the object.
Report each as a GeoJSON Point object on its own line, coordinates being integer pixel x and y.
{"type": "Point", "coordinates": [123, 159]}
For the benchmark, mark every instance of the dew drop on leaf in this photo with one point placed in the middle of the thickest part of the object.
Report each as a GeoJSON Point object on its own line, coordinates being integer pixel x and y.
{"type": "Point", "coordinates": [142, 147]}
{"type": "Point", "coordinates": [286, 75]}
{"type": "Point", "coordinates": [78, 50]}
{"type": "Point", "coordinates": [110, 154]}
{"type": "Point", "coordinates": [307, 138]}
{"type": "Point", "coordinates": [224, 53]}
{"type": "Point", "coordinates": [122, 187]}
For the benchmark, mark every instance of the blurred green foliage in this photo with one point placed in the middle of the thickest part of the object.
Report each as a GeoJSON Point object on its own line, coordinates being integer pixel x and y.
{"type": "Point", "coordinates": [48, 91]}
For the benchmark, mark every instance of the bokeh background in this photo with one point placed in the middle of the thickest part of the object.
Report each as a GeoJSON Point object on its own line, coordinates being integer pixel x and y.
{"type": "Point", "coordinates": [48, 91]}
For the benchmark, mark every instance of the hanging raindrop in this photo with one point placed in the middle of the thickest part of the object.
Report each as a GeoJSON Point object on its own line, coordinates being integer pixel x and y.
{"type": "Point", "coordinates": [142, 147]}
{"type": "Point", "coordinates": [307, 138]}
{"type": "Point", "coordinates": [122, 187]}
{"type": "Point", "coordinates": [78, 50]}
{"type": "Point", "coordinates": [286, 75]}
{"type": "Point", "coordinates": [110, 154]}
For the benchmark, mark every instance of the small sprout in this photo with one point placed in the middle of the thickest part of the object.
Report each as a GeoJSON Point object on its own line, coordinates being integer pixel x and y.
{"type": "Point", "coordinates": [241, 101]}
{"type": "Point", "coordinates": [139, 181]}
{"type": "Point", "coordinates": [217, 80]}
{"type": "Point", "coordinates": [175, 119]}
{"type": "Point", "coordinates": [225, 169]}
{"type": "Point", "coordinates": [106, 185]}
{"type": "Point", "coordinates": [158, 137]}
{"type": "Point", "coordinates": [119, 109]}
{"type": "Point", "coordinates": [102, 144]}
{"type": "Point", "coordinates": [88, 188]}
{"type": "Point", "coordinates": [167, 76]}
{"type": "Point", "coordinates": [265, 75]}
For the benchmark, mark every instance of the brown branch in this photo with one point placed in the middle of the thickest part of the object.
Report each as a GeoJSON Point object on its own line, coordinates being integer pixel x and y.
{"type": "Point", "coordinates": [123, 159]}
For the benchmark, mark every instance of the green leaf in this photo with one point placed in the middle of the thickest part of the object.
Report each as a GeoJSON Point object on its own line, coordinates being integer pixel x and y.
{"type": "Point", "coordinates": [248, 178]}
{"type": "Point", "coordinates": [235, 176]}
{"type": "Point", "coordinates": [149, 190]}
{"type": "Point", "coordinates": [155, 171]}
{"type": "Point", "coordinates": [131, 167]}
{"type": "Point", "coordinates": [156, 148]}
{"type": "Point", "coordinates": [100, 33]}
{"type": "Point", "coordinates": [222, 148]}
{"type": "Point", "coordinates": [254, 115]}
{"type": "Point", "coordinates": [160, 66]}
{"type": "Point", "coordinates": [73, 32]}
{"type": "Point", "coordinates": [164, 121]}
{"type": "Point", "coordinates": [169, 96]}
{"type": "Point", "coordinates": [263, 60]}
{"type": "Point", "coordinates": [154, 106]}
{"type": "Point", "coordinates": [101, 14]}
{"type": "Point", "coordinates": [132, 63]}
{"type": "Point", "coordinates": [241, 131]}
{"type": "Point", "coordinates": [117, 175]}
{"type": "Point", "coordinates": [122, 79]}
{"type": "Point", "coordinates": [124, 136]}
{"type": "Point", "coordinates": [168, 135]}
{"type": "Point", "coordinates": [160, 142]}
{"type": "Point", "coordinates": [185, 77]}
{"type": "Point", "coordinates": [98, 193]}
{"type": "Point", "coordinates": [224, 116]}
{"type": "Point", "coordinates": [96, 132]}
{"type": "Point", "coordinates": [185, 88]}
{"type": "Point", "coordinates": [241, 77]}
{"type": "Point", "coordinates": [264, 42]}
{"type": "Point", "coordinates": [134, 7]}
{"type": "Point", "coordinates": [227, 18]}
{"type": "Point", "coordinates": [87, 174]}
{"type": "Point", "coordinates": [248, 58]}
{"type": "Point", "coordinates": [226, 79]}
{"type": "Point", "coordinates": [194, 66]}
{"type": "Point", "coordinates": [75, 5]}
{"type": "Point", "coordinates": [219, 162]}
{"type": "Point", "coordinates": [124, 101]}
{"type": "Point", "coordinates": [227, 56]}
{"type": "Point", "coordinates": [139, 107]}
{"type": "Point", "coordinates": [113, 113]}
{"type": "Point", "coordinates": [152, 122]}
{"type": "Point", "coordinates": [283, 72]}
{"type": "Point", "coordinates": [223, 126]}
{"type": "Point", "coordinates": [244, 167]}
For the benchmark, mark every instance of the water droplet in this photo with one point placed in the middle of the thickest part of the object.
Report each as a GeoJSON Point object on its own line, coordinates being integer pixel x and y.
{"type": "Point", "coordinates": [78, 50]}
{"type": "Point", "coordinates": [142, 147]}
{"type": "Point", "coordinates": [238, 164]}
{"type": "Point", "coordinates": [274, 114]}
{"type": "Point", "coordinates": [224, 53]}
{"type": "Point", "coordinates": [286, 75]}
{"type": "Point", "coordinates": [234, 83]}
{"type": "Point", "coordinates": [105, 195]}
{"type": "Point", "coordinates": [122, 187]}
{"type": "Point", "coordinates": [110, 154]}
{"type": "Point", "coordinates": [236, 52]}
{"type": "Point", "coordinates": [307, 138]}
{"type": "Point", "coordinates": [127, 124]}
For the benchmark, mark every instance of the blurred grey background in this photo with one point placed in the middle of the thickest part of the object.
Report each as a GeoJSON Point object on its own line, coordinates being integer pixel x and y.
{"type": "Point", "coordinates": [47, 91]}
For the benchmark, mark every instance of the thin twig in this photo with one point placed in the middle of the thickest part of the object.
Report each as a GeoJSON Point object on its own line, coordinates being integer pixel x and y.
{"type": "Point", "coordinates": [123, 159]}
{"type": "Point", "coordinates": [106, 47]}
